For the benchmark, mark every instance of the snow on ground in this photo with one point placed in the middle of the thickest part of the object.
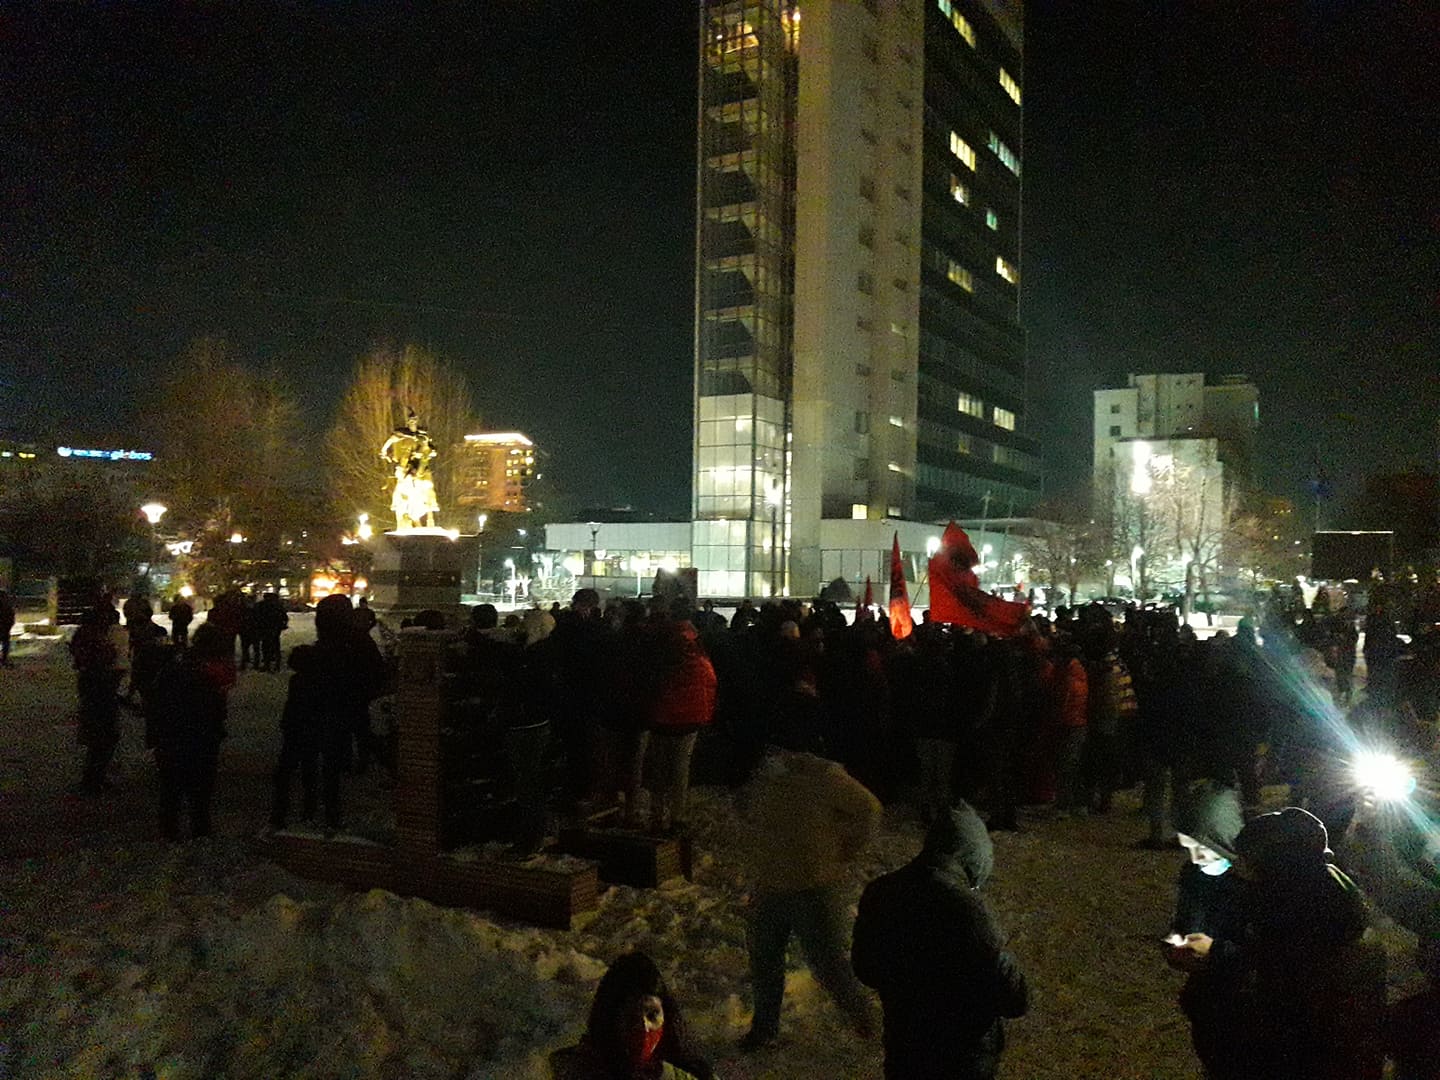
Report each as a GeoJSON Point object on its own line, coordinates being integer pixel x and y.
{"type": "Point", "coordinates": [124, 956]}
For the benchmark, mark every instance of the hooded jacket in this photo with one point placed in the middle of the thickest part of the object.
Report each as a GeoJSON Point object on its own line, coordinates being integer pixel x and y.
{"type": "Point", "coordinates": [807, 822]}
{"type": "Point", "coordinates": [927, 942]}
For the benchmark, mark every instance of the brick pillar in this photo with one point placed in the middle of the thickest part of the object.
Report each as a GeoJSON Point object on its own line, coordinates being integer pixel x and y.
{"type": "Point", "coordinates": [419, 706]}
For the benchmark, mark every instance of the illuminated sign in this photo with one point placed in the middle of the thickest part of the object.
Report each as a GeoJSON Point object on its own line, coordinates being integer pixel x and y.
{"type": "Point", "coordinates": [107, 455]}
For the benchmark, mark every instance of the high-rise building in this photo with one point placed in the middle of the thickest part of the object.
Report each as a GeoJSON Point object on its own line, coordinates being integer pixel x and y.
{"type": "Point", "coordinates": [858, 350]}
{"type": "Point", "coordinates": [495, 472]}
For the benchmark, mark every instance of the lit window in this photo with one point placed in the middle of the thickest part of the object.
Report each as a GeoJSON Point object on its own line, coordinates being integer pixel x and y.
{"type": "Point", "coordinates": [1004, 153]}
{"type": "Point", "coordinates": [963, 444]}
{"type": "Point", "coordinates": [962, 150]}
{"type": "Point", "coordinates": [859, 511]}
{"type": "Point", "coordinates": [991, 218]}
{"type": "Point", "coordinates": [1005, 270]}
{"type": "Point", "coordinates": [1011, 86]}
{"type": "Point", "coordinates": [893, 511]}
{"type": "Point", "coordinates": [896, 421]}
{"type": "Point", "coordinates": [894, 466]}
{"type": "Point", "coordinates": [960, 276]}
{"type": "Point", "coordinates": [958, 191]}
{"type": "Point", "coordinates": [971, 405]}
{"type": "Point", "coordinates": [1004, 418]}
{"type": "Point", "coordinates": [961, 24]}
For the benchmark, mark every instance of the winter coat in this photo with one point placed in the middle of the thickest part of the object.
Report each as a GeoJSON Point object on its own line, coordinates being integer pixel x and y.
{"type": "Point", "coordinates": [580, 1062]}
{"type": "Point", "coordinates": [1072, 694]}
{"type": "Point", "coordinates": [685, 699]}
{"type": "Point", "coordinates": [927, 942]}
{"type": "Point", "coordinates": [185, 710]}
{"type": "Point", "coordinates": [1112, 696]}
{"type": "Point", "coordinates": [807, 821]}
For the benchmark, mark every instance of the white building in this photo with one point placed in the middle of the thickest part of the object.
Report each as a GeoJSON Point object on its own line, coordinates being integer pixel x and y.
{"type": "Point", "coordinates": [1163, 406]}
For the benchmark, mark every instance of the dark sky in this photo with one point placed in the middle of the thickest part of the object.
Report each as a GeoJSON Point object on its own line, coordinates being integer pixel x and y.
{"type": "Point", "coordinates": [1218, 187]}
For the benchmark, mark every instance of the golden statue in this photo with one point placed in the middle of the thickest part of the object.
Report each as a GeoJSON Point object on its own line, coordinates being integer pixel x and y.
{"type": "Point", "coordinates": [409, 451]}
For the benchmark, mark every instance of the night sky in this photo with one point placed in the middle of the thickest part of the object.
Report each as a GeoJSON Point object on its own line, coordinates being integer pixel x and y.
{"type": "Point", "coordinates": [1218, 187]}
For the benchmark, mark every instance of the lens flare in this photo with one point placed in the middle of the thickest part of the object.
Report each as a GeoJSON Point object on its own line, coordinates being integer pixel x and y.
{"type": "Point", "coordinates": [1389, 778]}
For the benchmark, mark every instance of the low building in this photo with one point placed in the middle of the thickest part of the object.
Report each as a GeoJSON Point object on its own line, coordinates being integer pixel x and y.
{"type": "Point", "coordinates": [622, 558]}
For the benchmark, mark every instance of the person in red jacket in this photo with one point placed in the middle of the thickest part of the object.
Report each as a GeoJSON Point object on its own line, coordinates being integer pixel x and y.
{"type": "Point", "coordinates": [1072, 703]}
{"type": "Point", "coordinates": [684, 702]}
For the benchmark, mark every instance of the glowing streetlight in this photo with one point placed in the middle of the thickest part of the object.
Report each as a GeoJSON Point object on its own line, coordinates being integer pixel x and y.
{"type": "Point", "coordinates": [237, 538]}
{"type": "Point", "coordinates": [153, 512]}
{"type": "Point", "coordinates": [365, 530]}
{"type": "Point", "coordinates": [932, 545]}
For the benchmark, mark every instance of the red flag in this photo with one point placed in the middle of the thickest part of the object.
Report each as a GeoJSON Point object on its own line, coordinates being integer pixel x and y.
{"type": "Point", "coordinates": [866, 602]}
{"type": "Point", "coordinates": [901, 624]}
{"type": "Point", "coordinates": [955, 593]}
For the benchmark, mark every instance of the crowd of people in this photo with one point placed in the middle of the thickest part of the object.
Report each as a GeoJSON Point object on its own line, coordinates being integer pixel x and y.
{"type": "Point", "coordinates": [816, 720]}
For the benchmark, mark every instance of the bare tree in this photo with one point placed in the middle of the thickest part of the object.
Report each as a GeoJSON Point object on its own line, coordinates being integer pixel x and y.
{"type": "Point", "coordinates": [1072, 551]}
{"type": "Point", "coordinates": [227, 437]}
{"type": "Point", "coordinates": [387, 382]}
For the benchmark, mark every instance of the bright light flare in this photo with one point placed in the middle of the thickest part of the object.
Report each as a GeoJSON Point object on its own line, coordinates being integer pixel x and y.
{"type": "Point", "coordinates": [1384, 775]}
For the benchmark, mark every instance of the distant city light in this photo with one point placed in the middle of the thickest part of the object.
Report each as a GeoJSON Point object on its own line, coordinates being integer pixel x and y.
{"type": "Point", "coordinates": [109, 455]}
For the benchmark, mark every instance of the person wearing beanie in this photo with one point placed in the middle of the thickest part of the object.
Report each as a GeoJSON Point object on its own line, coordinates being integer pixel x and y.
{"type": "Point", "coordinates": [928, 944]}
{"type": "Point", "coordinates": [1210, 903]}
{"type": "Point", "coordinates": [1309, 991]}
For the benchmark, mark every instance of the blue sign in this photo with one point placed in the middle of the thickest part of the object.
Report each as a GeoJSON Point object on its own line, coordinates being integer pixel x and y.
{"type": "Point", "coordinates": [107, 455]}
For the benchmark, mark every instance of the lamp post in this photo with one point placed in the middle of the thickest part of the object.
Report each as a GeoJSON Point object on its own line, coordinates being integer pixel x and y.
{"type": "Point", "coordinates": [510, 565]}
{"type": "Point", "coordinates": [153, 512]}
{"type": "Point", "coordinates": [594, 543]}
{"type": "Point", "coordinates": [774, 496]}
{"type": "Point", "coordinates": [480, 550]}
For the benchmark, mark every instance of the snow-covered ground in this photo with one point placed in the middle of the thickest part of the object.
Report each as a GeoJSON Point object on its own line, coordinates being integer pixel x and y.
{"type": "Point", "coordinates": [124, 956]}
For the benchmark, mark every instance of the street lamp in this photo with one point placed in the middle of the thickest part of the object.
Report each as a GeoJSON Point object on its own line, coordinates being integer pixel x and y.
{"type": "Point", "coordinates": [511, 585]}
{"type": "Point", "coordinates": [153, 512]}
{"type": "Point", "coordinates": [594, 543]}
{"type": "Point", "coordinates": [774, 496]}
{"type": "Point", "coordinates": [480, 550]}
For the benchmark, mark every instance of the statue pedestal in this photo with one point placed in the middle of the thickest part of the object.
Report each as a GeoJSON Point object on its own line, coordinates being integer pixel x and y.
{"type": "Point", "coordinates": [420, 569]}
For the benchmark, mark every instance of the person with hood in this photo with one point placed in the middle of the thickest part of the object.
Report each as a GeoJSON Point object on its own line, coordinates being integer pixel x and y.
{"type": "Point", "coordinates": [1209, 902]}
{"type": "Point", "coordinates": [635, 1031]}
{"type": "Point", "coordinates": [806, 822]}
{"type": "Point", "coordinates": [1310, 990]}
{"type": "Point", "coordinates": [928, 943]}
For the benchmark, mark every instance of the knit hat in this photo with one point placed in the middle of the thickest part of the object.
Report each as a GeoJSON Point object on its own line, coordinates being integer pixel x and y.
{"type": "Point", "coordinates": [1284, 836]}
{"type": "Point", "coordinates": [1212, 815]}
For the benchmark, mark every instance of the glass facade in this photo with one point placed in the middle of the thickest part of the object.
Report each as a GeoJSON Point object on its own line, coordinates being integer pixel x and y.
{"type": "Point", "coordinates": [745, 283]}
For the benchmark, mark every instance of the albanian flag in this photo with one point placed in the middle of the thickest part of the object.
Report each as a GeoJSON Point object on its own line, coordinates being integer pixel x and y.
{"type": "Point", "coordinates": [866, 602]}
{"type": "Point", "coordinates": [901, 624]}
{"type": "Point", "coordinates": [955, 593]}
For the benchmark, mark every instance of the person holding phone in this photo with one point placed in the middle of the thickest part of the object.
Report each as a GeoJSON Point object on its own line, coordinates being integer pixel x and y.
{"type": "Point", "coordinates": [1209, 908]}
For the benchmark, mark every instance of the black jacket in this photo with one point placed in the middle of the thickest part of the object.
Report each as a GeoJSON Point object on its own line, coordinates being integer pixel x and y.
{"type": "Point", "coordinates": [929, 945]}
